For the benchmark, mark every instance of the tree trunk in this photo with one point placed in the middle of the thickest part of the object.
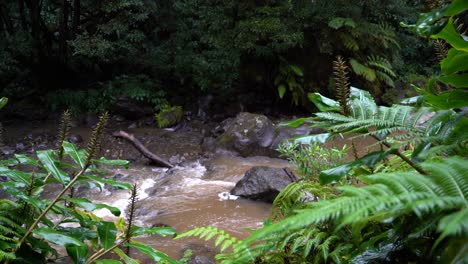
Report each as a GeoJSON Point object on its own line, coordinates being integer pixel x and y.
{"type": "Point", "coordinates": [63, 30]}
{"type": "Point", "coordinates": [35, 17]}
{"type": "Point", "coordinates": [24, 24]}
{"type": "Point", "coordinates": [76, 17]}
{"type": "Point", "coordinates": [8, 24]}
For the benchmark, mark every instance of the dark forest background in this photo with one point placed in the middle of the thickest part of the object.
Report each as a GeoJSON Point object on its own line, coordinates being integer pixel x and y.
{"type": "Point", "coordinates": [87, 54]}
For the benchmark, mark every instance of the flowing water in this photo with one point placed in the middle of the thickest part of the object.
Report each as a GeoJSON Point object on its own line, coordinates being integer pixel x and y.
{"type": "Point", "coordinates": [188, 197]}
{"type": "Point", "coordinates": [185, 196]}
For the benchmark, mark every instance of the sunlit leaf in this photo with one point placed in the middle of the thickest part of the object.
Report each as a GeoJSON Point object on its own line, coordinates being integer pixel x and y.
{"type": "Point", "coordinates": [90, 206]}
{"type": "Point", "coordinates": [323, 103]}
{"type": "Point", "coordinates": [156, 255]}
{"type": "Point", "coordinates": [107, 232]}
{"type": "Point", "coordinates": [102, 160]}
{"type": "Point", "coordinates": [79, 156]}
{"type": "Point", "coordinates": [160, 231]}
{"type": "Point", "coordinates": [50, 164]}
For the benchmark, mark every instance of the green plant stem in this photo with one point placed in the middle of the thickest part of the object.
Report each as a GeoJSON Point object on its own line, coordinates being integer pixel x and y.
{"type": "Point", "coordinates": [101, 252]}
{"type": "Point", "coordinates": [47, 209]}
{"type": "Point", "coordinates": [404, 158]}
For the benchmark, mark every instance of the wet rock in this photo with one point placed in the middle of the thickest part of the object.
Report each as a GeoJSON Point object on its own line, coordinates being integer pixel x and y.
{"type": "Point", "coordinates": [75, 138]}
{"type": "Point", "coordinates": [283, 132]}
{"type": "Point", "coordinates": [209, 144]}
{"type": "Point", "coordinates": [130, 109]}
{"type": "Point", "coordinates": [263, 183]}
{"type": "Point", "coordinates": [176, 159]}
{"type": "Point", "coordinates": [7, 150]}
{"type": "Point", "coordinates": [19, 146]}
{"type": "Point", "coordinates": [249, 134]}
{"type": "Point", "coordinates": [222, 127]}
{"type": "Point", "coordinates": [133, 125]}
{"type": "Point", "coordinates": [201, 254]}
{"type": "Point", "coordinates": [91, 119]}
{"type": "Point", "coordinates": [119, 118]}
{"type": "Point", "coordinates": [122, 177]}
{"type": "Point", "coordinates": [204, 107]}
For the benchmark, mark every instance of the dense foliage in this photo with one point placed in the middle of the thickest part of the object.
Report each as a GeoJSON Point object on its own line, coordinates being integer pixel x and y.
{"type": "Point", "coordinates": [151, 51]}
{"type": "Point", "coordinates": [410, 204]}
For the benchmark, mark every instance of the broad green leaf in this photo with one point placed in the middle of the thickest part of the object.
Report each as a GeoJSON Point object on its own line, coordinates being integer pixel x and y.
{"type": "Point", "coordinates": [9, 162]}
{"type": "Point", "coordinates": [102, 160]}
{"type": "Point", "coordinates": [156, 255]}
{"type": "Point", "coordinates": [58, 238]}
{"type": "Point", "coordinates": [339, 22]}
{"type": "Point", "coordinates": [451, 99]}
{"type": "Point", "coordinates": [429, 23]}
{"type": "Point", "coordinates": [79, 254]}
{"type": "Point", "coordinates": [298, 71]}
{"type": "Point", "coordinates": [281, 90]}
{"type": "Point", "coordinates": [109, 261]}
{"type": "Point", "coordinates": [15, 175]}
{"type": "Point", "coordinates": [89, 184]}
{"type": "Point", "coordinates": [90, 206]}
{"type": "Point", "coordinates": [124, 257]}
{"type": "Point", "coordinates": [80, 233]}
{"type": "Point", "coordinates": [451, 35]}
{"type": "Point", "coordinates": [3, 102]}
{"type": "Point", "coordinates": [415, 100]}
{"type": "Point", "coordinates": [296, 122]}
{"type": "Point", "coordinates": [12, 189]}
{"type": "Point", "coordinates": [336, 173]}
{"type": "Point", "coordinates": [323, 103]}
{"type": "Point", "coordinates": [120, 224]}
{"type": "Point", "coordinates": [454, 62]}
{"type": "Point", "coordinates": [79, 156]}
{"type": "Point", "coordinates": [23, 159]}
{"type": "Point", "coordinates": [456, 7]}
{"type": "Point", "coordinates": [313, 139]}
{"type": "Point", "coordinates": [160, 231]}
{"type": "Point", "coordinates": [107, 233]}
{"type": "Point", "coordinates": [111, 182]}
{"type": "Point", "coordinates": [456, 80]}
{"type": "Point", "coordinates": [50, 164]}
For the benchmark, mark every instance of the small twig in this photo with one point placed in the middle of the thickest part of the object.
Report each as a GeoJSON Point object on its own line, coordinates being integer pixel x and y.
{"type": "Point", "coordinates": [403, 157]}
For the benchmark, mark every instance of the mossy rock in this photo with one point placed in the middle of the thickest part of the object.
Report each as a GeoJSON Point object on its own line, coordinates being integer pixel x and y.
{"type": "Point", "coordinates": [169, 116]}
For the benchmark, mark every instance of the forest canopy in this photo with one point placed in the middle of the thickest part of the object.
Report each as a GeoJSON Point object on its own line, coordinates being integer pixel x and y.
{"type": "Point", "coordinates": [67, 52]}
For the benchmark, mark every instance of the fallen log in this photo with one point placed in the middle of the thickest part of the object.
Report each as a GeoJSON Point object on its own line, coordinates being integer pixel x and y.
{"type": "Point", "coordinates": [142, 149]}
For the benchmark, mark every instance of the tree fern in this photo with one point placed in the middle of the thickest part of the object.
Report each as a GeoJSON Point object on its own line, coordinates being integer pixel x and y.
{"type": "Point", "coordinates": [387, 198]}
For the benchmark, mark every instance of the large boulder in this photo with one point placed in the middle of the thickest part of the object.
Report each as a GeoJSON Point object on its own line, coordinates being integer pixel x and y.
{"type": "Point", "coordinates": [283, 132]}
{"type": "Point", "coordinates": [131, 109]}
{"type": "Point", "coordinates": [263, 183]}
{"type": "Point", "coordinates": [249, 135]}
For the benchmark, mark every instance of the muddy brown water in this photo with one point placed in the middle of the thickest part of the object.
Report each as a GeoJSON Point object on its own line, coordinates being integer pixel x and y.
{"type": "Point", "coordinates": [186, 196]}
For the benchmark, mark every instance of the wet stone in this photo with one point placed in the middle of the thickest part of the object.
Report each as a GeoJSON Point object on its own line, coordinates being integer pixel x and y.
{"type": "Point", "coordinates": [7, 150]}
{"type": "Point", "coordinates": [19, 146]}
{"type": "Point", "coordinates": [75, 138]}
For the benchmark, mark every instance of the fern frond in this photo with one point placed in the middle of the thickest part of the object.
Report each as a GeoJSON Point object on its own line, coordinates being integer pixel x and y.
{"type": "Point", "coordinates": [390, 196]}
{"type": "Point", "coordinates": [382, 64]}
{"type": "Point", "coordinates": [4, 256]}
{"type": "Point", "coordinates": [297, 195]}
{"type": "Point", "coordinates": [223, 240]}
{"type": "Point", "coordinates": [363, 70]}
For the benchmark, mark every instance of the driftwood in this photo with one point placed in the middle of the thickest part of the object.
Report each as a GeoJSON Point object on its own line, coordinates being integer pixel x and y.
{"type": "Point", "coordinates": [142, 149]}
